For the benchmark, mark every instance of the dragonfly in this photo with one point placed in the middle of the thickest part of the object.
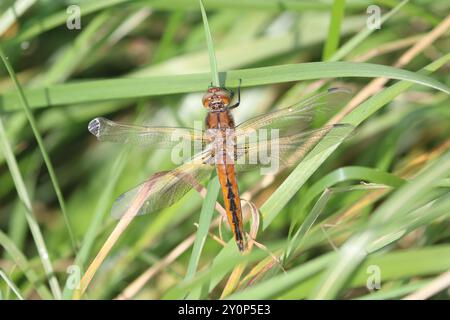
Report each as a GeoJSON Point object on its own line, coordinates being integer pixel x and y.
{"type": "Point", "coordinates": [283, 136]}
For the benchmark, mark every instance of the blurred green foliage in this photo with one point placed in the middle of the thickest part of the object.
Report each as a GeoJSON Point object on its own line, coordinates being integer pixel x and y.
{"type": "Point", "coordinates": [381, 198]}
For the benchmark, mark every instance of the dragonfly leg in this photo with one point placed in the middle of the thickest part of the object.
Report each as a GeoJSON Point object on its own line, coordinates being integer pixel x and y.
{"type": "Point", "coordinates": [239, 97]}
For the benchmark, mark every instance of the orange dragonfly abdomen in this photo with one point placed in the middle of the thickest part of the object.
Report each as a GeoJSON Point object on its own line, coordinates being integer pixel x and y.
{"type": "Point", "coordinates": [222, 124]}
{"type": "Point", "coordinates": [227, 179]}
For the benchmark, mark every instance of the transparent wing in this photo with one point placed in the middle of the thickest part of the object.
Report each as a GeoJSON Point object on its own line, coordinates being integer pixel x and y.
{"type": "Point", "coordinates": [297, 117]}
{"type": "Point", "coordinates": [163, 137]}
{"type": "Point", "coordinates": [283, 137]}
{"type": "Point", "coordinates": [163, 189]}
{"type": "Point", "coordinates": [279, 152]}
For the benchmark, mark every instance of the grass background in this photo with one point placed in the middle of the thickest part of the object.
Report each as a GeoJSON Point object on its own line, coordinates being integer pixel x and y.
{"type": "Point", "coordinates": [374, 207]}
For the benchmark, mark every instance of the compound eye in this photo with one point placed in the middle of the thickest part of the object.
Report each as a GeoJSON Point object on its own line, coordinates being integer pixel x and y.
{"type": "Point", "coordinates": [206, 98]}
{"type": "Point", "coordinates": [225, 99]}
{"type": "Point", "coordinates": [224, 95]}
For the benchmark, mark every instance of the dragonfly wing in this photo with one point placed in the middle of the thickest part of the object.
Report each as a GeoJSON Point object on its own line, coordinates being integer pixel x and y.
{"type": "Point", "coordinates": [284, 136]}
{"type": "Point", "coordinates": [286, 151]}
{"type": "Point", "coordinates": [163, 189]}
{"type": "Point", "coordinates": [164, 137]}
{"type": "Point", "coordinates": [298, 116]}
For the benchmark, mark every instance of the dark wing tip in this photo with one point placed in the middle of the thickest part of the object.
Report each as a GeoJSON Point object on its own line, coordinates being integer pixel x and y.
{"type": "Point", "coordinates": [94, 126]}
{"type": "Point", "coordinates": [343, 125]}
{"type": "Point", "coordinates": [346, 126]}
{"type": "Point", "coordinates": [336, 89]}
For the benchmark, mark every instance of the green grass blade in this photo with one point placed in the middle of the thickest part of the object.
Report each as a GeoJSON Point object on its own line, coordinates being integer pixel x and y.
{"type": "Point", "coordinates": [17, 228]}
{"type": "Point", "coordinates": [433, 210]}
{"type": "Point", "coordinates": [52, 21]}
{"type": "Point", "coordinates": [304, 170]}
{"type": "Point", "coordinates": [414, 10]}
{"type": "Point", "coordinates": [299, 175]}
{"type": "Point", "coordinates": [34, 227]}
{"type": "Point", "coordinates": [334, 29]}
{"type": "Point", "coordinates": [296, 240]}
{"type": "Point", "coordinates": [373, 104]}
{"type": "Point", "coordinates": [206, 215]}
{"type": "Point", "coordinates": [211, 52]}
{"type": "Point", "coordinates": [44, 153]}
{"type": "Point", "coordinates": [35, 28]}
{"type": "Point", "coordinates": [165, 47]}
{"type": "Point", "coordinates": [247, 50]}
{"type": "Point", "coordinates": [278, 200]}
{"type": "Point", "coordinates": [14, 168]}
{"type": "Point", "coordinates": [354, 250]}
{"type": "Point", "coordinates": [21, 261]}
{"type": "Point", "coordinates": [10, 16]}
{"type": "Point", "coordinates": [11, 284]}
{"type": "Point", "coordinates": [355, 173]}
{"type": "Point", "coordinates": [361, 36]}
{"type": "Point", "coordinates": [76, 52]}
{"type": "Point", "coordinates": [414, 263]}
{"type": "Point", "coordinates": [268, 5]}
{"type": "Point", "coordinates": [224, 263]}
{"type": "Point", "coordinates": [414, 189]}
{"type": "Point", "coordinates": [351, 44]}
{"type": "Point", "coordinates": [99, 214]}
{"type": "Point", "coordinates": [280, 283]}
{"type": "Point", "coordinates": [395, 293]}
{"type": "Point", "coordinates": [126, 88]}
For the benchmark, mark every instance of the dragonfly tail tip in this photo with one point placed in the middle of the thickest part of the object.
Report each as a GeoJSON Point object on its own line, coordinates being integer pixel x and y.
{"type": "Point", "coordinates": [240, 245]}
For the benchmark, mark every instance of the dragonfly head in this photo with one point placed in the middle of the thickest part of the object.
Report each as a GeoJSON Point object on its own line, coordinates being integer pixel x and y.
{"type": "Point", "coordinates": [217, 99]}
